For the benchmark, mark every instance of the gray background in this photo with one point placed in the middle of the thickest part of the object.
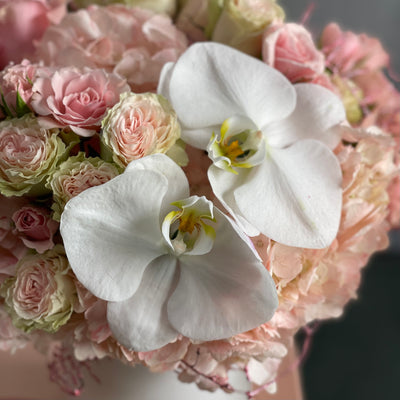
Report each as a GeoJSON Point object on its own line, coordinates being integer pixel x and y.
{"type": "Point", "coordinates": [357, 357]}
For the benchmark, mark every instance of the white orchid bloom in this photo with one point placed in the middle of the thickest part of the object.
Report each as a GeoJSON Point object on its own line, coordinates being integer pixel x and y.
{"type": "Point", "coordinates": [168, 264]}
{"type": "Point", "coordinates": [269, 140]}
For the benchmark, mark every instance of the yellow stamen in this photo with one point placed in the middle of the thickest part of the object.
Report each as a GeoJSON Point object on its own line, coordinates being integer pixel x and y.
{"type": "Point", "coordinates": [233, 150]}
{"type": "Point", "coordinates": [187, 223]}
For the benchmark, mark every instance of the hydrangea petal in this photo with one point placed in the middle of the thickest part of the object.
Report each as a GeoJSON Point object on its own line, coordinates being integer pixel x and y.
{"type": "Point", "coordinates": [224, 82]}
{"type": "Point", "coordinates": [224, 292]}
{"type": "Point", "coordinates": [141, 323]}
{"type": "Point", "coordinates": [317, 111]}
{"type": "Point", "coordinates": [299, 196]}
{"type": "Point", "coordinates": [112, 232]}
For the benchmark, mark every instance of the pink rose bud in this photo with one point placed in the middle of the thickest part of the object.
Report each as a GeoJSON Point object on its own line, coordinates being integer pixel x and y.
{"type": "Point", "coordinates": [291, 50]}
{"type": "Point", "coordinates": [35, 227]}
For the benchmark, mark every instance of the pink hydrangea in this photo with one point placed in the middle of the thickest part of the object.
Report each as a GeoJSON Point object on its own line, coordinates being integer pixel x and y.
{"type": "Point", "coordinates": [25, 21]}
{"type": "Point", "coordinates": [318, 283]}
{"type": "Point", "coordinates": [347, 52]}
{"type": "Point", "coordinates": [134, 42]}
{"type": "Point", "coordinates": [76, 99]}
{"type": "Point", "coordinates": [290, 49]}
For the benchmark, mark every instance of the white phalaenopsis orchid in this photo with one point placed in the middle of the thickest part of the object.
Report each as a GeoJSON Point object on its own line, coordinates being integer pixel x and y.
{"type": "Point", "coordinates": [167, 263]}
{"type": "Point", "coordinates": [270, 142]}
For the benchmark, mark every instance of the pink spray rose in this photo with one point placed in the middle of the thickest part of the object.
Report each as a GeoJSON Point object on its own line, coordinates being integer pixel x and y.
{"type": "Point", "coordinates": [35, 227]}
{"type": "Point", "coordinates": [290, 49]}
{"type": "Point", "coordinates": [13, 79]}
{"type": "Point", "coordinates": [139, 125]}
{"type": "Point", "coordinates": [131, 41]}
{"type": "Point", "coordinates": [12, 249]}
{"type": "Point", "coordinates": [76, 99]}
{"type": "Point", "coordinates": [24, 21]}
{"type": "Point", "coordinates": [348, 52]}
{"type": "Point", "coordinates": [29, 154]}
{"type": "Point", "coordinates": [42, 294]}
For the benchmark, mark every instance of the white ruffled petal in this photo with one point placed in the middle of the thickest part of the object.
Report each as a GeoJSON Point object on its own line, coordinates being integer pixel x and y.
{"type": "Point", "coordinates": [224, 292]}
{"type": "Point", "coordinates": [211, 82]}
{"type": "Point", "coordinates": [295, 196]}
{"type": "Point", "coordinates": [140, 323]}
{"type": "Point", "coordinates": [317, 111]}
{"type": "Point", "coordinates": [112, 232]}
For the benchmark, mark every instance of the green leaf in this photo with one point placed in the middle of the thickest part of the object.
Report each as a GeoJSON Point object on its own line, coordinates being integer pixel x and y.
{"type": "Point", "coordinates": [21, 107]}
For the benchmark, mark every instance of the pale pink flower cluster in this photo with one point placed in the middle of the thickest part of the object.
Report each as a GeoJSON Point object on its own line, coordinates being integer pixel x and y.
{"type": "Point", "coordinates": [25, 21]}
{"type": "Point", "coordinates": [79, 83]}
{"type": "Point", "coordinates": [132, 42]}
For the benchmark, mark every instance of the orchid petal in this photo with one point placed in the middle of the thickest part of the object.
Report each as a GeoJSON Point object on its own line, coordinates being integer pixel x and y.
{"type": "Point", "coordinates": [219, 91]}
{"type": "Point", "coordinates": [224, 292]}
{"type": "Point", "coordinates": [223, 184]}
{"type": "Point", "coordinates": [298, 195]}
{"type": "Point", "coordinates": [178, 187]}
{"type": "Point", "coordinates": [317, 111]}
{"type": "Point", "coordinates": [165, 78]}
{"type": "Point", "coordinates": [112, 232]}
{"type": "Point", "coordinates": [141, 323]}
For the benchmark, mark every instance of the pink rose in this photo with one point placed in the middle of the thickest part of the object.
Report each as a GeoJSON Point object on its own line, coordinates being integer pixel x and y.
{"type": "Point", "coordinates": [290, 49]}
{"type": "Point", "coordinates": [12, 249]}
{"type": "Point", "coordinates": [42, 294]}
{"type": "Point", "coordinates": [29, 154]}
{"type": "Point", "coordinates": [139, 125]}
{"type": "Point", "coordinates": [18, 78]}
{"type": "Point", "coordinates": [22, 22]}
{"type": "Point", "coordinates": [347, 51]}
{"type": "Point", "coordinates": [35, 227]}
{"type": "Point", "coordinates": [76, 99]}
{"type": "Point", "coordinates": [131, 41]}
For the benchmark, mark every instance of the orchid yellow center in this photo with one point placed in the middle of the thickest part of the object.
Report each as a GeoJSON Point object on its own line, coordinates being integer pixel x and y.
{"type": "Point", "coordinates": [239, 145]}
{"type": "Point", "coordinates": [185, 230]}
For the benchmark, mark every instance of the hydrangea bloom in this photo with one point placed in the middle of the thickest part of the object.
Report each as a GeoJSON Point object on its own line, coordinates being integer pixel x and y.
{"type": "Point", "coordinates": [168, 264]}
{"type": "Point", "coordinates": [268, 140]}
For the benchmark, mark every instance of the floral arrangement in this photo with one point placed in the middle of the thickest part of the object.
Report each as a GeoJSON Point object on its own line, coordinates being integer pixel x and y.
{"type": "Point", "coordinates": [186, 184]}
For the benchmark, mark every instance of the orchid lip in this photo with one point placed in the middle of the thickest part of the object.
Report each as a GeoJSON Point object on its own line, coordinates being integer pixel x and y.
{"type": "Point", "coordinates": [240, 144]}
{"type": "Point", "coordinates": [185, 230]}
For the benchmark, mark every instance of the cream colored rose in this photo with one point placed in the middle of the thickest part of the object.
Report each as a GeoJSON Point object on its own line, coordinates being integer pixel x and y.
{"type": "Point", "coordinates": [42, 294]}
{"type": "Point", "coordinates": [28, 155]}
{"type": "Point", "coordinates": [75, 175]}
{"type": "Point", "coordinates": [139, 125]}
{"type": "Point", "coordinates": [242, 22]}
{"type": "Point", "coordinates": [159, 6]}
